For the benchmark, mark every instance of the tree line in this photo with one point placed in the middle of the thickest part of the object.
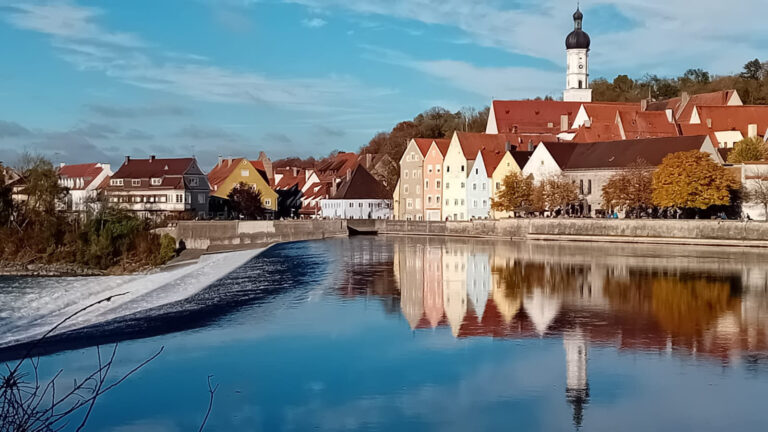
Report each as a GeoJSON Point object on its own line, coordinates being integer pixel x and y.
{"type": "Point", "coordinates": [751, 83]}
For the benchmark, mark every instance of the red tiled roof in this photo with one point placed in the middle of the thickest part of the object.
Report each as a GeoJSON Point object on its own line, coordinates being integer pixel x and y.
{"type": "Point", "coordinates": [442, 145]}
{"type": "Point", "coordinates": [597, 132]}
{"type": "Point", "coordinates": [719, 98]}
{"type": "Point", "coordinates": [647, 124]}
{"type": "Point", "coordinates": [733, 118]}
{"type": "Point", "coordinates": [88, 172]}
{"type": "Point", "coordinates": [532, 116]}
{"type": "Point", "coordinates": [338, 165]}
{"type": "Point", "coordinates": [619, 154]}
{"type": "Point", "coordinates": [423, 144]}
{"type": "Point", "coordinates": [153, 168]}
{"type": "Point", "coordinates": [491, 159]}
{"type": "Point", "coordinates": [471, 143]}
{"type": "Point", "coordinates": [222, 171]}
{"type": "Point", "coordinates": [606, 112]}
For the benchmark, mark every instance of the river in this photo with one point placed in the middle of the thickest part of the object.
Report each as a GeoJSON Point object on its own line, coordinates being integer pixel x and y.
{"type": "Point", "coordinates": [421, 334]}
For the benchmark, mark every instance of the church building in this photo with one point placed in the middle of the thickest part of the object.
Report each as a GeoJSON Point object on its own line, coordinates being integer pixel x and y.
{"type": "Point", "coordinates": [577, 48]}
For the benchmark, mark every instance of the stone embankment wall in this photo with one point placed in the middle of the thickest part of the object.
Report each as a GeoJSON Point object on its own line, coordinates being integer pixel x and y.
{"type": "Point", "coordinates": [223, 235]}
{"type": "Point", "coordinates": [704, 232]}
{"type": "Point", "coordinates": [227, 235]}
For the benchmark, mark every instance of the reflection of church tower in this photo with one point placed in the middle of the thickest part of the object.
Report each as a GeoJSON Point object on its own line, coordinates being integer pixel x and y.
{"type": "Point", "coordinates": [577, 385]}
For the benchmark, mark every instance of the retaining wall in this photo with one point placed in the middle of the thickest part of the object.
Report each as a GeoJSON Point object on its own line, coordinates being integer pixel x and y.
{"type": "Point", "coordinates": [239, 234]}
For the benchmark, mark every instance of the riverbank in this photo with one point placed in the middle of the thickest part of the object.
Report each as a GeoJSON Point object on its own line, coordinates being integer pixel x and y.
{"type": "Point", "coordinates": [234, 235]}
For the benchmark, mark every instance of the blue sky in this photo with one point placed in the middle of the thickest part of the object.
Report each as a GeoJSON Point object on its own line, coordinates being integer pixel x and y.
{"type": "Point", "coordinates": [96, 80]}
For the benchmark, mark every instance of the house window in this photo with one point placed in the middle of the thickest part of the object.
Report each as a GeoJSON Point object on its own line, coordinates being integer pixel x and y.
{"type": "Point", "coordinates": [447, 168]}
{"type": "Point", "coordinates": [360, 205]}
{"type": "Point", "coordinates": [416, 174]}
{"type": "Point", "coordinates": [429, 169]}
{"type": "Point", "coordinates": [189, 198]}
{"type": "Point", "coordinates": [179, 198]}
{"type": "Point", "coordinates": [437, 184]}
{"type": "Point", "coordinates": [156, 181]}
{"type": "Point", "coordinates": [418, 189]}
{"type": "Point", "coordinates": [116, 182]}
{"type": "Point", "coordinates": [409, 203]}
{"type": "Point", "coordinates": [462, 203]}
{"type": "Point", "coordinates": [437, 199]}
{"type": "Point", "coordinates": [429, 199]}
{"type": "Point", "coordinates": [447, 186]}
{"type": "Point", "coordinates": [405, 174]}
{"type": "Point", "coordinates": [418, 204]}
{"type": "Point", "coordinates": [498, 185]}
{"type": "Point", "coordinates": [581, 187]}
{"type": "Point", "coordinates": [193, 181]}
{"type": "Point", "coordinates": [201, 198]}
{"type": "Point", "coordinates": [455, 202]}
{"type": "Point", "coordinates": [351, 205]}
{"type": "Point", "coordinates": [405, 189]}
{"type": "Point", "coordinates": [474, 204]}
{"type": "Point", "coordinates": [589, 187]}
{"type": "Point", "coordinates": [438, 169]}
{"type": "Point", "coordinates": [477, 171]}
{"type": "Point", "coordinates": [426, 184]}
{"type": "Point", "coordinates": [162, 199]}
{"type": "Point", "coordinates": [485, 203]}
{"type": "Point", "coordinates": [462, 168]}
{"type": "Point", "coordinates": [462, 185]}
{"type": "Point", "coordinates": [136, 182]}
{"type": "Point", "coordinates": [474, 186]}
{"type": "Point", "coordinates": [485, 186]}
{"type": "Point", "coordinates": [245, 173]}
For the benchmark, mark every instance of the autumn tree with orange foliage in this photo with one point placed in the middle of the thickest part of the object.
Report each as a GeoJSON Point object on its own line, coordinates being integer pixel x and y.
{"type": "Point", "coordinates": [630, 189]}
{"type": "Point", "coordinates": [692, 180]}
{"type": "Point", "coordinates": [516, 194]}
{"type": "Point", "coordinates": [559, 193]}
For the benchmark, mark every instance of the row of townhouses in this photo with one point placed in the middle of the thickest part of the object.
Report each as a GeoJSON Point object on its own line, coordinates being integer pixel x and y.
{"type": "Point", "coordinates": [341, 187]}
{"type": "Point", "coordinates": [457, 178]}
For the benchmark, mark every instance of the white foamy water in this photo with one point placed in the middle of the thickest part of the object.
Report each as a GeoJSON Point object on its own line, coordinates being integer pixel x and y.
{"type": "Point", "coordinates": [29, 307]}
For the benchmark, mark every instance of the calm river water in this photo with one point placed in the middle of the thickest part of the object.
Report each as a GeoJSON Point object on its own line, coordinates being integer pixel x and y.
{"type": "Point", "coordinates": [432, 334]}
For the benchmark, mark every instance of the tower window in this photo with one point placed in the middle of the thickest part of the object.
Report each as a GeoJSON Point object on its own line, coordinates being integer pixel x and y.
{"type": "Point", "coordinates": [581, 84]}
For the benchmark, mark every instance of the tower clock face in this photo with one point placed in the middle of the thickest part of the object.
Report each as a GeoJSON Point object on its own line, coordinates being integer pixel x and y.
{"type": "Point", "coordinates": [581, 66]}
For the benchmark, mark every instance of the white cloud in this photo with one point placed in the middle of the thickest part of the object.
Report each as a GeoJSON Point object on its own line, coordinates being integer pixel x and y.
{"type": "Point", "coordinates": [669, 35]}
{"type": "Point", "coordinates": [314, 22]}
{"type": "Point", "coordinates": [125, 57]}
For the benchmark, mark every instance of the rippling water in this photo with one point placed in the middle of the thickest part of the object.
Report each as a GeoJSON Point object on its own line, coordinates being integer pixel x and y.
{"type": "Point", "coordinates": [406, 333]}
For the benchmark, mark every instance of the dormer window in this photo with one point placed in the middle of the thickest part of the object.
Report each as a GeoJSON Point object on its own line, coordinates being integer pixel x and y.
{"type": "Point", "coordinates": [157, 181]}
{"type": "Point", "coordinates": [136, 182]}
{"type": "Point", "coordinates": [245, 173]}
{"type": "Point", "coordinates": [193, 181]}
{"type": "Point", "coordinates": [116, 182]}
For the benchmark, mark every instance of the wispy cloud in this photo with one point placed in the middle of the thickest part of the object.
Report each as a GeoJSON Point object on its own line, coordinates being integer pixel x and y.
{"type": "Point", "coordinates": [314, 22]}
{"type": "Point", "coordinates": [206, 133]}
{"type": "Point", "coordinates": [132, 112]}
{"type": "Point", "coordinates": [9, 129]}
{"type": "Point", "coordinates": [89, 46]}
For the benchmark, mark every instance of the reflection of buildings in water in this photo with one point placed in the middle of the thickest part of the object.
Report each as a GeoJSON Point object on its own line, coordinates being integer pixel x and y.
{"type": "Point", "coordinates": [455, 285]}
{"type": "Point", "coordinates": [411, 257]}
{"type": "Point", "coordinates": [502, 289]}
{"type": "Point", "coordinates": [433, 285]}
{"type": "Point", "coordinates": [478, 281]}
{"type": "Point", "coordinates": [577, 385]}
{"type": "Point", "coordinates": [542, 308]}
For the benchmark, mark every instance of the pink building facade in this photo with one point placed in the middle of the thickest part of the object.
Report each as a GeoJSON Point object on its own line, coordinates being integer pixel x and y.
{"type": "Point", "coordinates": [433, 180]}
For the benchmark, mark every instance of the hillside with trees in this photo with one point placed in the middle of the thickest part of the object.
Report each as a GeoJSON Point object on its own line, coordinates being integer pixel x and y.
{"type": "Point", "coordinates": [751, 83]}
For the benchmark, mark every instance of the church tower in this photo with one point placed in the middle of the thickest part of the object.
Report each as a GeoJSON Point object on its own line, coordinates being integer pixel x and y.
{"type": "Point", "coordinates": [577, 384]}
{"type": "Point", "coordinates": [577, 48]}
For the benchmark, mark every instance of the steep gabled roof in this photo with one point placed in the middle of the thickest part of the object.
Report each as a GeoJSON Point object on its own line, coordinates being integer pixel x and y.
{"type": "Point", "coordinates": [597, 132]}
{"type": "Point", "coordinates": [153, 168]}
{"type": "Point", "coordinates": [223, 170]}
{"type": "Point", "coordinates": [521, 157]}
{"type": "Point", "coordinates": [620, 154]}
{"type": "Point", "coordinates": [362, 185]}
{"type": "Point", "coordinates": [88, 172]}
{"type": "Point", "coordinates": [471, 143]}
{"type": "Point", "coordinates": [719, 98]}
{"type": "Point", "coordinates": [339, 164]}
{"type": "Point", "coordinates": [442, 145]}
{"type": "Point", "coordinates": [491, 159]}
{"type": "Point", "coordinates": [423, 144]}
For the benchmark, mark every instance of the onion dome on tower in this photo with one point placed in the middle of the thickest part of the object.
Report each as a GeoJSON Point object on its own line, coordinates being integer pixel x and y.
{"type": "Point", "coordinates": [577, 39]}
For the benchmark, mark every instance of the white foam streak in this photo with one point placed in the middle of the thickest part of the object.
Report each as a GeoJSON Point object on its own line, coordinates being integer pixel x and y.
{"type": "Point", "coordinates": [30, 307]}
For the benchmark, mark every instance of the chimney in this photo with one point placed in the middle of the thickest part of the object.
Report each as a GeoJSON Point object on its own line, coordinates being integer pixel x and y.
{"type": "Point", "coordinates": [588, 123]}
{"type": "Point", "coordinates": [752, 131]}
{"type": "Point", "coordinates": [62, 164]}
{"type": "Point", "coordinates": [368, 160]}
{"type": "Point", "coordinates": [221, 160]}
{"type": "Point", "coordinates": [530, 145]}
{"type": "Point", "coordinates": [127, 159]}
{"type": "Point", "coordinates": [349, 175]}
{"type": "Point", "coordinates": [670, 115]}
{"type": "Point", "coordinates": [709, 123]}
{"type": "Point", "coordinates": [644, 105]}
{"type": "Point", "coordinates": [564, 122]}
{"type": "Point", "coordinates": [151, 158]}
{"type": "Point", "coordinates": [229, 161]}
{"type": "Point", "coordinates": [333, 187]}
